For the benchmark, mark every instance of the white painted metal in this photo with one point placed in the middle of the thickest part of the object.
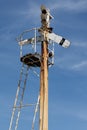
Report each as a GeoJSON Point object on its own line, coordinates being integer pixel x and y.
{"type": "Point", "coordinates": [57, 39]}
{"type": "Point", "coordinates": [31, 40]}
{"type": "Point", "coordinates": [35, 42]}
{"type": "Point", "coordinates": [19, 99]}
{"type": "Point", "coordinates": [35, 112]}
{"type": "Point", "coordinates": [45, 17]}
{"type": "Point", "coordinates": [48, 16]}
{"type": "Point", "coordinates": [51, 36]}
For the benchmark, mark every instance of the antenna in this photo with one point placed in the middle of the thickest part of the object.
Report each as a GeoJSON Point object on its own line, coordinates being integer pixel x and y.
{"type": "Point", "coordinates": [42, 41]}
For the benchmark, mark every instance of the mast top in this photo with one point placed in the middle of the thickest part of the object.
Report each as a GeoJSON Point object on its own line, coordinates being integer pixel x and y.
{"type": "Point", "coordinates": [45, 17]}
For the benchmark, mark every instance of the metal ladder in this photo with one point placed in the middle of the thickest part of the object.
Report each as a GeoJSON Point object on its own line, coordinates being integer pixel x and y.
{"type": "Point", "coordinates": [19, 98]}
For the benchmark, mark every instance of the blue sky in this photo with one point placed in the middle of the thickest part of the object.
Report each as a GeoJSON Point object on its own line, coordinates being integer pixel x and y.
{"type": "Point", "coordinates": [68, 76]}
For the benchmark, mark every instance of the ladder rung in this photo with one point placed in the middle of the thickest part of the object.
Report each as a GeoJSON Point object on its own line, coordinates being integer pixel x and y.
{"type": "Point", "coordinates": [26, 105]}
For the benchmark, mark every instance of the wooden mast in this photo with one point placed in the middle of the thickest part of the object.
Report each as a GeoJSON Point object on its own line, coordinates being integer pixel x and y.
{"type": "Point", "coordinates": [45, 20]}
{"type": "Point", "coordinates": [44, 87]}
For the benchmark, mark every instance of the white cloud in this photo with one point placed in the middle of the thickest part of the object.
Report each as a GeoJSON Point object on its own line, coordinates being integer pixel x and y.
{"type": "Point", "coordinates": [80, 66]}
{"type": "Point", "coordinates": [74, 58]}
{"type": "Point", "coordinates": [78, 113]}
{"type": "Point", "coordinates": [70, 109]}
{"type": "Point", "coordinates": [82, 115]}
{"type": "Point", "coordinates": [70, 5]}
{"type": "Point", "coordinates": [73, 61]}
{"type": "Point", "coordinates": [31, 12]}
{"type": "Point", "coordinates": [79, 44]}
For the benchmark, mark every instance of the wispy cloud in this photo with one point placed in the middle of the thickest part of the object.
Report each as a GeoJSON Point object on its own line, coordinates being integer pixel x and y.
{"type": "Point", "coordinates": [70, 5]}
{"type": "Point", "coordinates": [79, 113]}
{"type": "Point", "coordinates": [70, 109]}
{"type": "Point", "coordinates": [80, 66]}
{"type": "Point", "coordinates": [74, 58]}
{"type": "Point", "coordinates": [31, 11]}
{"type": "Point", "coordinates": [79, 44]}
{"type": "Point", "coordinates": [72, 62]}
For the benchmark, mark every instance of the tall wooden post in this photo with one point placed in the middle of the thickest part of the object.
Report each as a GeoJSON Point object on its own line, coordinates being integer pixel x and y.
{"type": "Point", "coordinates": [45, 28]}
{"type": "Point", "coordinates": [44, 87]}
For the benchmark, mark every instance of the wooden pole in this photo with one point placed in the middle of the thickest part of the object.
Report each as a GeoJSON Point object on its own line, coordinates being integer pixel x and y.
{"type": "Point", "coordinates": [44, 87]}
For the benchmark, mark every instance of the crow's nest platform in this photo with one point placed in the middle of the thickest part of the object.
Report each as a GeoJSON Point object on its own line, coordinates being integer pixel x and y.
{"type": "Point", "coordinates": [33, 60]}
